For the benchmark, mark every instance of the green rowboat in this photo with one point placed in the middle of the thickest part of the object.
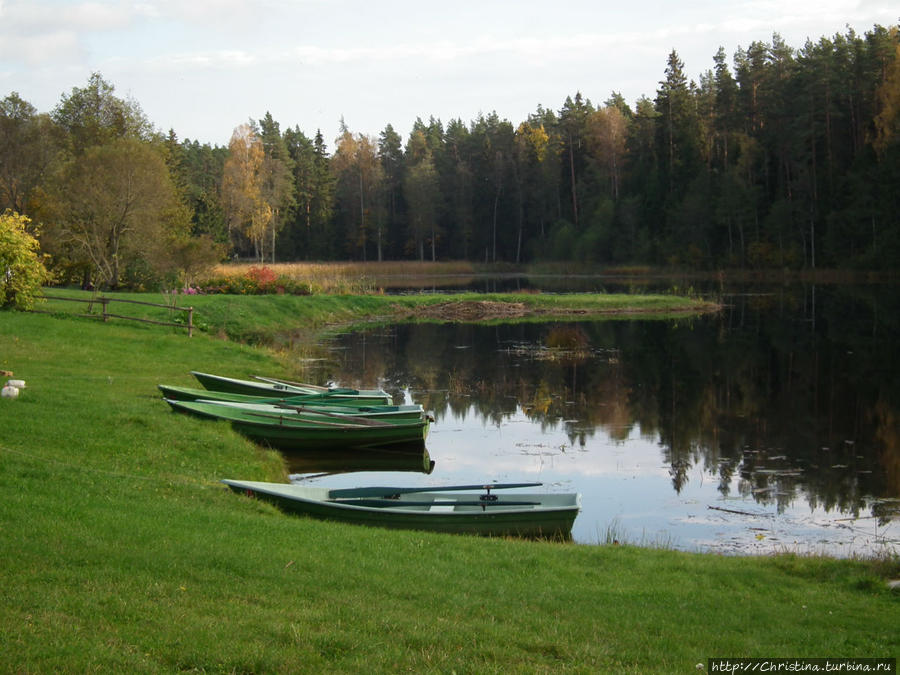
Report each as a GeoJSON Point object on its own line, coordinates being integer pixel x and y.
{"type": "Point", "coordinates": [295, 404]}
{"type": "Point", "coordinates": [194, 394]}
{"type": "Point", "coordinates": [434, 509]}
{"type": "Point", "coordinates": [301, 431]}
{"type": "Point", "coordinates": [281, 388]}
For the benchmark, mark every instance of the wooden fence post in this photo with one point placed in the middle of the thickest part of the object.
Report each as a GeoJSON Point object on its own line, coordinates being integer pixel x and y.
{"type": "Point", "coordinates": [105, 302]}
{"type": "Point", "coordinates": [190, 311]}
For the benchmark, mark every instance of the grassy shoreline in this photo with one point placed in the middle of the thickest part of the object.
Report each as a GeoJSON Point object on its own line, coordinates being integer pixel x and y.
{"type": "Point", "coordinates": [123, 553]}
{"type": "Point", "coordinates": [258, 319]}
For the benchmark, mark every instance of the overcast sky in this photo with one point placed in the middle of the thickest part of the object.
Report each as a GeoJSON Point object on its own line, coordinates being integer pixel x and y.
{"type": "Point", "coordinates": [202, 67]}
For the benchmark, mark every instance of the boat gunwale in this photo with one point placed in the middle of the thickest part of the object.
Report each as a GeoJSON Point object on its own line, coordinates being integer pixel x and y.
{"type": "Point", "coordinates": [230, 383]}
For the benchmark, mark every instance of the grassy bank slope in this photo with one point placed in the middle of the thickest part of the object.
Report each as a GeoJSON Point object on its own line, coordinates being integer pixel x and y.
{"type": "Point", "coordinates": [257, 318]}
{"type": "Point", "coordinates": [123, 553]}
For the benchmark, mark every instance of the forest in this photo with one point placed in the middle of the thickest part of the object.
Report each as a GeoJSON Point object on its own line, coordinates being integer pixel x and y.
{"type": "Point", "coordinates": [785, 158]}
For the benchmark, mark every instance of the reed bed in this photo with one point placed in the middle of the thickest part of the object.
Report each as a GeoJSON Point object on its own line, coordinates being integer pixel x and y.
{"type": "Point", "coordinates": [343, 277]}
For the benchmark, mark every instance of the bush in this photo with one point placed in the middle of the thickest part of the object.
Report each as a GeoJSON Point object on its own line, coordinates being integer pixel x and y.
{"type": "Point", "coordinates": [22, 271]}
{"type": "Point", "coordinates": [255, 281]}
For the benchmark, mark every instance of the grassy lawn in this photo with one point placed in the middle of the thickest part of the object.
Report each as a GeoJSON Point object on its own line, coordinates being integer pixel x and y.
{"type": "Point", "coordinates": [122, 552]}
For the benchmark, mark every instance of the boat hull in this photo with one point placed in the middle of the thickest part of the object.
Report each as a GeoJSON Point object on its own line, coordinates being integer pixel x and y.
{"type": "Point", "coordinates": [297, 432]}
{"type": "Point", "coordinates": [550, 517]}
{"type": "Point", "coordinates": [285, 437]}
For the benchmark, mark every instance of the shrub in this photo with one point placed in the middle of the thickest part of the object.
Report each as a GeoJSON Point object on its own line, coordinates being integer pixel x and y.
{"type": "Point", "coordinates": [255, 281]}
{"type": "Point", "coordinates": [22, 271]}
{"type": "Point", "coordinates": [263, 277]}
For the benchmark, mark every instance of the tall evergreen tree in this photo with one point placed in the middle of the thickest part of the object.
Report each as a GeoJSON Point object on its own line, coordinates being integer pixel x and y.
{"type": "Point", "coordinates": [296, 237]}
{"type": "Point", "coordinates": [678, 127]}
{"type": "Point", "coordinates": [572, 125]}
{"type": "Point", "coordinates": [323, 200]}
{"type": "Point", "coordinates": [277, 180]}
{"type": "Point", "coordinates": [421, 191]}
{"type": "Point", "coordinates": [390, 152]}
{"type": "Point", "coordinates": [201, 169]}
{"type": "Point", "coordinates": [458, 188]}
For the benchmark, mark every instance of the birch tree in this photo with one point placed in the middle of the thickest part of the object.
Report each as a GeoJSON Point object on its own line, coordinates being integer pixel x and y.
{"type": "Point", "coordinates": [246, 212]}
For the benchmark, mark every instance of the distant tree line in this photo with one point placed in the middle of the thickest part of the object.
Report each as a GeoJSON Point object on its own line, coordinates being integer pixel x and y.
{"type": "Point", "coordinates": [786, 158]}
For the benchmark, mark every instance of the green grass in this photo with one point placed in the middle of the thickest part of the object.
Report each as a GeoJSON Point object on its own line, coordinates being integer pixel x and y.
{"type": "Point", "coordinates": [255, 319]}
{"type": "Point", "coordinates": [123, 553]}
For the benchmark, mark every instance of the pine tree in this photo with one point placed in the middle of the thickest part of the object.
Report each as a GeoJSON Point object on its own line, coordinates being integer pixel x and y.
{"type": "Point", "coordinates": [277, 181]}
{"type": "Point", "coordinates": [390, 152]}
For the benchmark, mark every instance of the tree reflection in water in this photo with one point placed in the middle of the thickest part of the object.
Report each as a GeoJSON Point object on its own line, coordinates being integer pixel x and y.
{"type": "Point", "coordinates": [787, 401]}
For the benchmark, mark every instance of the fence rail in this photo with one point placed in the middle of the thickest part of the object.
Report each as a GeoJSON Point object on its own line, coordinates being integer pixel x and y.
{"type": "Point", "coordinates": [105, 315]}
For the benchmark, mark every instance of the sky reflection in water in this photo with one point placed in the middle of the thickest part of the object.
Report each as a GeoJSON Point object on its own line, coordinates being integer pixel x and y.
{"type": "Point", "coordinates": [627, 492]}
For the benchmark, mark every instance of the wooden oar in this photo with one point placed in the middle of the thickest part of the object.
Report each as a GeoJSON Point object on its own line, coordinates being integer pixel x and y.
{"type": "Point", "coordinates": [296, 419]}
{"type": "Point", "coordinates": [387, 491]}
{"type": "Point", "coordinates": [397, 502]}
{"type": "Point", "coordinates": [275, 380]}
{"type": "Point", "coordinates": [353, 418]}
{"type": "Point", "coordinates": [325, 391]}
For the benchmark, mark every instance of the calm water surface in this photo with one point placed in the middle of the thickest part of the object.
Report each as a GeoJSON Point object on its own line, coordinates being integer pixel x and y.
{"type": "Point", "coordinates": [772, 426]}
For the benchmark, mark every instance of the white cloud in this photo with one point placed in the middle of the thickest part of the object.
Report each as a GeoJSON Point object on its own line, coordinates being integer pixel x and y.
{"type": "Point", "coordinates": [545, 50]}
{"type": "Point", "coordinates": [41, 34]}
{"type": "Point", "coordinates": [218, 59]}
{"type": "Point", "coordinates": [81, 16]}
{"type": "Point", "coordinates": [239, 16]}
{"type": "Point", "coordinates": [46, 48]}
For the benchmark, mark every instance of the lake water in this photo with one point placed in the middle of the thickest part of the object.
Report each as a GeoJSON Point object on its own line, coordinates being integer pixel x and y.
{"type": "Point", "coordinates": [772, 426]}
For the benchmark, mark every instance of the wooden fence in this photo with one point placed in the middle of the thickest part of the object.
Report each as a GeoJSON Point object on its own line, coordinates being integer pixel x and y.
{"type": "Point", "coordinates": [105, 314]}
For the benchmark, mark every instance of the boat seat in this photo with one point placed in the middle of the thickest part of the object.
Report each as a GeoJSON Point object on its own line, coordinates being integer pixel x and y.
{"type": "Point", "coordinates": [442, 505]}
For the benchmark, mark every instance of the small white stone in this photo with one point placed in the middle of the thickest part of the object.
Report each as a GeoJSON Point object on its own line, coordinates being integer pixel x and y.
{"type": "Point", "coordinates": [9, 392]}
